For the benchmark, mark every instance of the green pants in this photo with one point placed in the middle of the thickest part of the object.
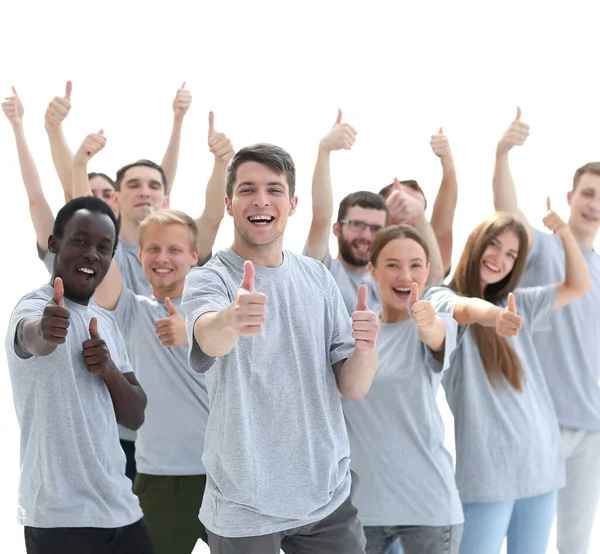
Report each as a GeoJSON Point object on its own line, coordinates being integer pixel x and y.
{"type": "Point", "coordinates": [171, 506]}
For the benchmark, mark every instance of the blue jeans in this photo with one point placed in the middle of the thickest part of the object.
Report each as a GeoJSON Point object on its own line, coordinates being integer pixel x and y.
{"type": "Point", "coordinates": [526, 523]}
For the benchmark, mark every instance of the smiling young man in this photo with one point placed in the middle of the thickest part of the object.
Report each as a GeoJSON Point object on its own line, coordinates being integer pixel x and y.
{"type": "Point", "coordinates": [568, 351]}
{"type": "Point", "coordinates": [72, 383]}
{"type": "Point", "coordinates": [270, 331]}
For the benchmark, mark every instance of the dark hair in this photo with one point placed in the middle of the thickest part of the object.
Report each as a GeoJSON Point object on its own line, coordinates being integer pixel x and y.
{"type": "Point", "coordinates": [410, 183]}
{"type": "Point", "coordinates": [103, 175]}
{"type": "Point", "coordinates": [90, 203]}
{"type": "Point", "coordinates": [363, 199]}
{"type": "Point", "coordinates": [272, 156]}
{"type": "Point", "coordinates": [140, 163]}
{"type": "Point", "coordinates": [393, 232]}
{"type": "Point", "coordinates": [590, 167]}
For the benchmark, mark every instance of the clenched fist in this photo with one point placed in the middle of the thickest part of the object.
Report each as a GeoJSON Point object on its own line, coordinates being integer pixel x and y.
{"type": "Point", "coordinates": [509, 323]}
{"type": "Point", "coordinates": [515, 135]}
{"type": "Point", "coordinates": [249, 306]}
{"type": "Point", "coordinates": [341, 136]}
{"type": "Point", "coordinates": [56, 318]}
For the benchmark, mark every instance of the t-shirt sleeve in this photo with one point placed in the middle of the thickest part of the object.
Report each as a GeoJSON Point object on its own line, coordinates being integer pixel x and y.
{"type": "Point", "coordinates": [535, 306]}
{"type": "Point", "coordinates": [449, 346]}
{"type": "Point", "coordinates": [442, 299]}
{"type": "Point", "coordinates": [32, 306]}
{"type": "Point", "coordinates": [542, 248]}
{"type": "Point", "coordinates": [204, 292]}
{"type": "Point", "coordinates": [124, 364]}
{"type": "Point", "coordinates": [341, 344]}
{"type": "Point", "coordinates": [125, 310]}
{"type": "Point", "coordinates": [47, 257]}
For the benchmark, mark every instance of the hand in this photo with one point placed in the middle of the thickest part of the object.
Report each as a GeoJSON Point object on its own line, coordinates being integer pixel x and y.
{"type": "Point", "coordinates": [509, 323]}
{"type": "Point", "coordinates": [59, 108]}
{"type": "Point", "coordinates": [95, 353]}
{"type": "Point", "coordinates": [403, 205]}
{"type": "Point", "coordinates": [249, 307]}
{"type": "Point", "coordinates": [420, 311]}
{"type": "Point", "coordinates": [171, 330]}
{"type": "Point", "coordinates": [364, 323]}
{"type": "Point", "coordinates": [341, 136]}
{"type": "Point", "coordinates": [91, 145]}
{"type": "Point", "coordinates": [553, 221]}
{"type": "Point", "coordinates": [182, 102]}
{"type": "Point", "coordinates": [13, 109]}
{"type": "Point", "coordinates": [218, 143]}
{"type": "Point", "coordinates": [56, 318]}
{"type": "Point", "coordinates": [515, 135]}
{"type": "Point", "coordinates": [440, 145]}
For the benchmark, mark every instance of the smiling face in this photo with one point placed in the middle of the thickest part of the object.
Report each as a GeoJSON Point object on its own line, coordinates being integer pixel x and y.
{"type": "Point", "coordinates": [141, 193]}
{"type": "Point", "coordinates": [84, 253]}
{"type": "Point", "coordinates": [585, 206]}
{"type": "Point", "coordinates": [499, 258]}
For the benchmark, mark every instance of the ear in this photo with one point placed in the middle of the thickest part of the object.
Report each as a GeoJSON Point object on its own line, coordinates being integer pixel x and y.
{"type": "Point", "coordinates": [373, 271]}
{"type": "Point", "coordinates": [166, 202]}
{"type": "Point", "coordinates": [228, 206]}
{"type": "Point", "coordinates": [336, 229]}
{"type": "Point", "coordinates": [569, 197]}
{"type": "Point", "coordinates": [114, 198]}
{"type": "Point", "coordinates": [194, 259]}
{"type": "Point", "coordinates": [293, 204]}
{"type": "Point", "coordinates": [53, 244]}
{"type": "Point", "coordinates": [140, 254]}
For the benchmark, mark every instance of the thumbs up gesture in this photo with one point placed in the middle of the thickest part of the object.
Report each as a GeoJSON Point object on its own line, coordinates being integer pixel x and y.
{"type": "Point", "coordinates": [341, 136]}
{"type": "Point", "coordinates": [95, 353]}
{"type": "Point", "coordinates": [440, 145]}
{"type": "Point", "coordinates": [91, 145]}
{"type": "Point", "coordinates": [515, 135]}
{"type": "Point", "coordinates": [13, 108]}
{"type": "Point", "coordinates": [509, 323]}
{"type": "Point", "coordinates": [553, 221]}
{"type": "Point", "coordinates": [420, 311]}
{"type": "Point", "coordinates": [171, 330]}
{"type": "Point", "coordinates": [403, 206]}
{"type": "Point", "coordinates": [182, 102]}
{"type": "Point", "coordinates": [365, 327]}
{"type": "Point", "coordinates": [56, 318]}
{"type": "Point", "coordinates": [59, 108]}
{"type": "Point", "coordinates": [249, 307]}
{"type": "Point", "coordinates": [218, 143]}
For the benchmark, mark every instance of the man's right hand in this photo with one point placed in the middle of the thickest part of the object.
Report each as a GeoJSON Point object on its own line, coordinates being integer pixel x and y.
{"type": "Point", "coordinates": [13, 109]}
{"type": "Point", "coordinates": [56, 317]}
{"type": "Point", "coordinates": [91, 145]}
{"type": "Point", "coordinates": [515, 135]}
{"type": "Point", "coordinates": [248, 308]}
{"type": "Point", "coordinates": [58, 109]}
{"type": "Point", "coordinates": [341, 136]}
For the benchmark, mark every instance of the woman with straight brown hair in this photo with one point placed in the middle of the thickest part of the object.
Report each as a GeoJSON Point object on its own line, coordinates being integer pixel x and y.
{"type": "Point", "coordinates": [509, 458]}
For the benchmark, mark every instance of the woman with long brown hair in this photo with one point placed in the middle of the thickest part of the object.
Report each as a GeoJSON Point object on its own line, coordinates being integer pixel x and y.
{"type": "Point", "coordinates": [509, 458]}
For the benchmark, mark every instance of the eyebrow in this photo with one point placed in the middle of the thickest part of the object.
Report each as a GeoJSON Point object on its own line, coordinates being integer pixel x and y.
{"type": "Point", "coordinates": [502, 244]}
{"type": "Point", "coordinates": [397, 260]}
{"type": "Point", "coordinates": [253, 184]}
{"type": "Point", "coordinates": [136, 180]}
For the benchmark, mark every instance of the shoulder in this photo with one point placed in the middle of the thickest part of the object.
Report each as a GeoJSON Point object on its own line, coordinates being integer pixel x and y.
{"type": "Point", "coordinates": [310, 268]}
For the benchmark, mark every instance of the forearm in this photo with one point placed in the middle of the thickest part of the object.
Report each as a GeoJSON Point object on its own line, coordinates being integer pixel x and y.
{"type": "Point", "coordinates": [129, 400]}
{"type": "Point", "coordinates": [444, 208]}
{"type": "Point", "coordinates": [171, 158]}
{"type": "Point", "coordinates": [62, 158]}
{"type": "Point", "coordinates": [317, 242]}
{"type": "Point", "coordinates": [355, 375]}
{"type": "Point", "coordinates": [577, 275]}
{"type": "Point", "coordinates": [80, 181]}
{"type": "Point", "coordinates": [434, 335]}
{"type": "Point", "coordinates": [505, 192]}
{"type": "Point", "coordinates": [214, 210]}
{"type": "Point", "coordinates": [29, 337]}
{"type": "Point", "coordinates": [436, 269]}
{"type": "Point", "coordinates": [476, 310]}
{"type": "Point", "coordinates": [214, 333]}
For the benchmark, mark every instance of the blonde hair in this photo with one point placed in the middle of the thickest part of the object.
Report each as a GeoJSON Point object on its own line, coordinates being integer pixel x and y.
{"type": "Point", "coordinates": [171, 217]}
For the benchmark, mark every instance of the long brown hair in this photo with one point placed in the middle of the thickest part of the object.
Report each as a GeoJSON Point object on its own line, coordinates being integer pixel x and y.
{"type": "Point", "coordinates": [497, 355]}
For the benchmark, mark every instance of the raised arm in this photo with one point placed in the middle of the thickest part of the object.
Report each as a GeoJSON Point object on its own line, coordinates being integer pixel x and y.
{"type": "Point", "coordinates": [181, 104]}
{"type": "Point", "coordinates": [577, 281]}
{"type": "Point", "coordinates": [341, 137]}
{"type": "Point", "coordinates": [91, 145]}
{"type": "Point", "coordinates": [214, 206]}
{"type": "Point", "coordinates": [444, 207]}
{"type": "Point", "coordinates": [505, 192]}
{"type": "Point", "coordinates": [62, 157]}
{"type": "Point", "coordinates": [39, 209]}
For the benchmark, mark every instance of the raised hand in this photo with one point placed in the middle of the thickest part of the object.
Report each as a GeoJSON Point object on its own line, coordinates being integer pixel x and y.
{"type": "Point", "coordinates": [91, 145]}
{"type": "Point", "coordinates": [364, 323]}
{"type": "Point", "coordinates": [440, 145]}
{"type": "Point", "coordinates": [553, 221]}
{"type": "Point", "coordinates": [515, 135]}
{"type": "Point", "coordinates": [13, 108]}
{"type": "Point", "coordinates": [182, 102]}
{"type": "Point", "coordinates": [404, 206]}
{"type": "Point", "coordinates": [171, 330]}
{"type": "Point", "coordinates": [420, 311]}
{"type": "Point", "coordinates": [249, 306]}
{"type": "Point", "coordinates": [509, 323]}
{"type": "Point", "coordinates": [95, 353]}
{"type": "Point", "coordinates": [218, 143]}
{"type": "Point", "coordinates": [56, 318]}
{"type": "Point", "coordinates": [341, 137]}
{"type": "Point", "coordinates": [59, 108]}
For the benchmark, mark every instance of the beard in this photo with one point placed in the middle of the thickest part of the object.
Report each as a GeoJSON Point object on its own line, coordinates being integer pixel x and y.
{"type": "Point", "coordinates": [345, 251]}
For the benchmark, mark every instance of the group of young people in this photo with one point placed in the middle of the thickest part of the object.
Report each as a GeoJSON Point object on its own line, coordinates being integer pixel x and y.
{"type": "Point", "coordinates": [279, 400]}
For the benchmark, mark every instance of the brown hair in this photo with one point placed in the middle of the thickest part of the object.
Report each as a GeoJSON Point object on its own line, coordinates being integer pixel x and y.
{"type": "Point", "coordinates": [497, 355]}
{"type": "Point", "coordinates": [363, 199]}
{"type": "Point", "coordinates": [590, 167]}
{"type": "Point", "coordinates": [410, 183]}
{"type": "Point", "coordinates": [394, 232]}
{"type": "Point", "coordinates": [170, 217]}
{"type": "Point", "coordinates": [140, 163]}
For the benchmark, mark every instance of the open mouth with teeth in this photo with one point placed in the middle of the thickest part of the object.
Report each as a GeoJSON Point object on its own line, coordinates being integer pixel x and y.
{"type": "Point", "coordinates": [162, 271]}
{"type": "Point", "coordinates": [590, 218]}
{"type": "Point", "coordinates": [362, 247]}
{"type": "Point", "coordinates": [401, 292]}
{"type": "Point", "coordinates": [491, 267]}
{"type": "Point", "coordinates": [261, 220]}
{"type": "Point", "coordinates": [86, 273]}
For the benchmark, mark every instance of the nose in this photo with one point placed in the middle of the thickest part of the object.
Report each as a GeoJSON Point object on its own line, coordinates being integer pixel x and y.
{"type": "Point", "coordinates": [261, 198]}
{"type": "Point", "coordinates": [91, 255]}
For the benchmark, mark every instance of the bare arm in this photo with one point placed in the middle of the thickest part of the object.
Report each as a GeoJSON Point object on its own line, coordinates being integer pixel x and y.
{"type": "Point", "coordinates": [91, 145]}
{"type": "Point", "coordinates": [109, 291]}
{"type": "Point", "coordinates": [355, 374]}
{"type": "Point", "coordinates": [128, 398]}
{"type": "Point", "coordinates": [436, 270]}
{"type": "Point", "coordinates": [476, 310]}
{"type": "Point", "coordinates": [29, 338]}
{"type": "Point", "coordinates": [215, 334]}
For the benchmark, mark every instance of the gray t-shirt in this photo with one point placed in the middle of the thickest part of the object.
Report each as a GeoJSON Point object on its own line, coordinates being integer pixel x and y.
{"type": "Point", "coordinates": [171, 440]}
{"type": "Point", "coordinates": [508, 442]}
{"type": "Point", "coordinates": [276, 451]}
{"type": "Point", "coordinates": [569, 351]}
{"type": "Point", "coordinates": [405, 475]}
{"type": "Point", "coordinates": [72, 466]}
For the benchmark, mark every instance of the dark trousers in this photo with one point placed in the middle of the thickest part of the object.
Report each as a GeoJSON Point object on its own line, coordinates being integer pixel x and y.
{"type": "Point", "coordinates": [132, 539]}
{"type": "Point", "coordinates": [129, 449]}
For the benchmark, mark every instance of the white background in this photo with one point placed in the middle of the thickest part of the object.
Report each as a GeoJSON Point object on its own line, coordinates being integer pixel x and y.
{"type": "Point", "coordinates": [277, 72]}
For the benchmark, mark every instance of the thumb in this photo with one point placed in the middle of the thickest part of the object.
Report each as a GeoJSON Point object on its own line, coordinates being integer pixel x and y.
{"type": "Point", "coordinates": [14, 90]}
{"type": "Point", "coordinates": [548, 204]}
{"type": "Point", "coordinates": [361, 303]}
{"type": "Point", "coordinates": [414, 295]}
{"type": "Point", "coordinates": [248, 281]}
{"type": "Point", "coordinates": [518, 118]}
{"type": "Point", "coordinates": [396, 185]}
{"type": "Point", "coordinates": [512, 304]}
{"type": "Point", "coordinates": [101, 132]}
{"type": "Point", "coordinates": [171, 307]}
{"type": "Point", "coordinates": [211, 123]}
{"type": "Point", "coordinates": [59, 292]}
{"type": "Point", "coordinates": [339, 117]}
{"type": "Point", "coordinates": [94, 328]}
{"type": "Point", "coordinates": [68, 90]}
{"type": "Point", "coordinates": [183, 86]}
{"type": "Point", "coordinates": [441, 131]}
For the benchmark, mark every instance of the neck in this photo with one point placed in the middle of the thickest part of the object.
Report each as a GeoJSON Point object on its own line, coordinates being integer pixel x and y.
{"type": "Point", "coordinates": [268, 256]}
{"type": "Point", "coordinates": [585, 241]}
{"type": "Point", "coordinates": [388, 314]}
{"type": "Point", "coordinates": [130, 231]}
{"type": "Point", "coordinates": [360, 269]}
{"type": "Point", "coordinates": [175, 292]}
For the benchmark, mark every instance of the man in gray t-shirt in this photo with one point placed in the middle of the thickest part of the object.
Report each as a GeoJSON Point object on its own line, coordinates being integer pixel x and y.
{"type": "Point", "coordinates": [72, 382]}
{"type": "Point", "coordinates": [276, 452]}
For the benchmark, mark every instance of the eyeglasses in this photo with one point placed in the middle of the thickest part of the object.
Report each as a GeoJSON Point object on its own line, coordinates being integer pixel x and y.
{"type": "Point", "coordinates": [361, 225]}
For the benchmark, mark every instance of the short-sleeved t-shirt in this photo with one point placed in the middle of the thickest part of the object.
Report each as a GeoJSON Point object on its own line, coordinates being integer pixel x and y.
{"type": "Point", "coordinates": [405, 475]}
{"type": "Point", "coordinates": [276, 450]}
{"type": "Point", "coordinates": [568, 350]}
{"type": "Point", "coordinates": [508, 443]}
{"type": "Point", "coordinates": [72, 466]}
{"type": "Point", "coordinates": [171, 440]}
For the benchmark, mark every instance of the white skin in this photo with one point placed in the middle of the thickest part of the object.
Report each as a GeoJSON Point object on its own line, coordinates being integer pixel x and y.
{"type": "Point", "coordinates": [101, 188]}
{"type": "Point", "coordinates": [584, 219]}
{"type": "Point", "coordinates": [499, 258]}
